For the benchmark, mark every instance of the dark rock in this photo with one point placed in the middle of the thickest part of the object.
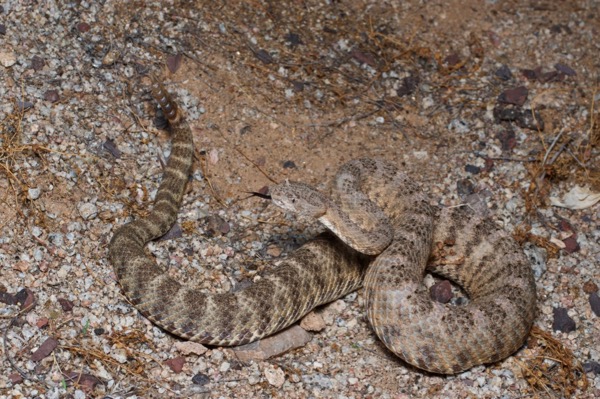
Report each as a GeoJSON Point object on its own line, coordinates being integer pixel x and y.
{"type": "Point", "coordinates": [516, 96]}
{"type": "Point", "coordinates": [562, 321]}
{"type": "Point", "coordinates": [110, 146]}
{"type": "Point", "coordinates": [293, 39]}
{"type": "Point", "coordinates": [24, 105]}
{"type": "Point", "coordinates": [472, 169]}
{"type": "Point", "coordinates": [504, 73]}
{"type": "Point", "coordinates": [86, 381]}
{"type": "Point", "coordinates": [489, 165]}
{"type": "Point", "coordinates": [409, 85]}
{"type": "Point", "coordinates": [289, 165]}
{"type": "Point", "coordinates": [452, 59]}
{"type": "Point", "coordinates": [298, 86]}
{"type": "Point", "coordinates": [591, 367]}
{"type": "Point", "coordinates": [141, 68]}
{"type": "Point", "coordinates": [552, 76]}
{"type": "Point", "coordinates": [22, 295]}
{"type": "Point", "coordinates": [245, 129]}
{"type": "Point", "coordinates": [508, 139]}
{"type": "Point", "coordinates": [174, 232]}
{"type": "Point", "coordinates": [595, 303]}
{"type": "Point", "coordinates": [567, 70]}
{"type": "Point", "coordinates": [506, 114]}
{"type": "Point", "coordinates": [560, 28]}
{"type": "Point", "coordinates": [174, 62]}
{"type": "Point", "coordinates": [37, 63]}
{"type": "Point", "coordinates": [42, 322]}
{"type": "Point", "coordinates": [51, 95]}
{"type": "Point", "coordinates": [264, 56]}
{"type": "Point", "coordinates": [529, 74]}
{"type": "Point", "coordinates": [200, 379]}
{"type": "Point", "coordinates": [571, 245]}
{"type": "Point", "coordinates": [217, 225]}
{"type": "Point", "coordinates": [7, 298]}
{"type": "Point", "coordinates": [522, 117]}
{"type": "Point", "coordinates": [564, 225]}
{"type": "Point", "coordinates": [2, 29]}
{"type": "Point", "coordinates": [15, 378]}
{"type": "Point", "coordinates": [99, 331]}
{"type": "Point", "coordinates": [363, 57]}
{"type": "Point", "coordinates": [529, 120]}
{"type": "Point", "coordinates": [25, 297]}
{"type": "Point", "coordinates": [44, 350]}
{"type": "Point", "coordinates": [65, 304]}
{"type": "Point", "coordinates": [176, 364]}
{"type": "Point", "coordinates": [441, 292]}
{"type": "Point", "coordinates": [83, 27]}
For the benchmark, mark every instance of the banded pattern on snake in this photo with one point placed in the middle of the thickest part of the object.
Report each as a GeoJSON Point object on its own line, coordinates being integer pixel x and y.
{"type": "Point", "coordinates": [390, 230]}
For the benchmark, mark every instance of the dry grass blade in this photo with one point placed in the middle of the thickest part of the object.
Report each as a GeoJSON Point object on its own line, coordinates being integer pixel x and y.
{"type": "Point", "coordinates": [550, 368]}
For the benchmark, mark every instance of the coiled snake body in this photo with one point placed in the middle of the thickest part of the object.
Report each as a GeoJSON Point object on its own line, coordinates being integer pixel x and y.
{"type": "Point", "coordinates": [377, 211]}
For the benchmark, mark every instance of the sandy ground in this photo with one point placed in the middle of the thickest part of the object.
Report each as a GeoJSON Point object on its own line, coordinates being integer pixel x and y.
{"type": "Point", "coordinates": [490, 103]}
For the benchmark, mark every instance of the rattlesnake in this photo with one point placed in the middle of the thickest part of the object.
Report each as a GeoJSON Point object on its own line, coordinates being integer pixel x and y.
{"type": "Point", "coordinates": [398, 220]}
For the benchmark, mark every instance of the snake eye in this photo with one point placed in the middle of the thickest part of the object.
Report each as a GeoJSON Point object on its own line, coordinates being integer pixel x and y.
{"type": "Point", "coordinates": [293, 200]}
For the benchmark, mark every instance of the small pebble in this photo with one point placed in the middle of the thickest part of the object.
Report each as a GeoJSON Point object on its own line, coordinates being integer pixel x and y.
{"type": "Point", "coordinates": [224, 367]}
{"type": "Point", "coordinates": [51, 95]}
{"type": "Point", "coordinates": [275, 376]}
{"type": "Point", "coordinates": [200, 379]}
{"type": "Point", "coordinates": [591, 367]}
{"type": "Point", "coordinates": [188, 347]}
{"type": "Point", "coordinates": [472, 169]}
{"type": "Point", "coordinates": [516, 96]}
{"type": "Point", "coordinates": [8, 57]}
{"type": "Point", "coordinates": [504, 73]}
{"type": "Point", "coordinates": [562, 321]}
{"type": "Point", "coordinates": [313, 322]}
{"type": "Point", "coordinates": [87, 210]}
{"type": "Point", "coordinates": [44, 350]}
{"type": "Point", "coordinates": [595, 303]}
{"type": "Point", "coordinates": [289, 165]}
{"type": "Point", "coordinates": [176, 364]}
{"type": "Point", "coordinates": [441, 292]}
{"type": "Point", "coordinates": [33, 193]}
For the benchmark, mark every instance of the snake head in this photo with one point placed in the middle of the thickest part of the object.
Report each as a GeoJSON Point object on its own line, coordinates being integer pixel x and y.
{"type": "Point", "coordinates": [299, 198]}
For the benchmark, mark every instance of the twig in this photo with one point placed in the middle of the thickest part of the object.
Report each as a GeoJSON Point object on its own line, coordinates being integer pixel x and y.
{"type": "Point", "coordinates": [560, 150]}
{"type": "Point", "coordinates": [509, 159]}
{"type": "Point", "coordinates": [254, 164]}
{"type": "Point", "coordinates": [552, 146]}
{"type": "Point", "coordinates": [341, 121]}
{"type": "Point", "coordinates": [246, 158]}
{"type": "Point", "coordinates": [575, 158]}
{"type": "Point", "coordinates": [204, 169]}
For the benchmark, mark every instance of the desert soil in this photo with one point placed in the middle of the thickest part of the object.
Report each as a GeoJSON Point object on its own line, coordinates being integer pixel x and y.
{"type": "Point", "coordinates": [490, 103]}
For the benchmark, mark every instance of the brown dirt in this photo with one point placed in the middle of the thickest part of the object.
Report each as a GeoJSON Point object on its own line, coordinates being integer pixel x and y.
{"type": "Point", "coordinates": [291, 90]}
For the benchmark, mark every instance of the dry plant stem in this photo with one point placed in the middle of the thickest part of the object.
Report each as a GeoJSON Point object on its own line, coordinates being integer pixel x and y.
{"type": "Point", "coordinates": [204, 168]}
{"type": "Point", "coordinates": [541, 177]}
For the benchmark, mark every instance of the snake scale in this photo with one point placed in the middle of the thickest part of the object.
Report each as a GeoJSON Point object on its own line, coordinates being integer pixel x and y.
{"type": "Point", "coordinates": [389, 235]}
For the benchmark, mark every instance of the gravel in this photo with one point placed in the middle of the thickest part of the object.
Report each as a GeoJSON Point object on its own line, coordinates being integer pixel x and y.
{"type": "Point", "coordinates": [272, 92]}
